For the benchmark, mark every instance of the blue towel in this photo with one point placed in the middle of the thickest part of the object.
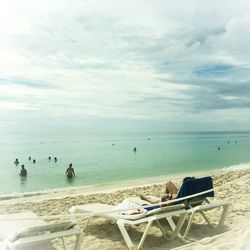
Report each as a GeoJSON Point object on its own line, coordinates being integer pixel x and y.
{"type": "Point", "coordinates": [151, 208]}
{"type": "Point", "coordinates": [195, 186]}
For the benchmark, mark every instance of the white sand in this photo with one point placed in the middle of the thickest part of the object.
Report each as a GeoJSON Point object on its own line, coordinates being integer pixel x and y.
{"type": "Point", "coordinates": [233, 186]}
{"type": "Point", "coordinates": [235, 239]}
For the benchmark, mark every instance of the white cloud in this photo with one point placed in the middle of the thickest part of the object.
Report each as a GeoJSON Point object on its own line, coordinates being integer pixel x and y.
{"type": "Point", "coordinates": [160, 60]}
{"type": "Point", "coordinates": [4, 105]}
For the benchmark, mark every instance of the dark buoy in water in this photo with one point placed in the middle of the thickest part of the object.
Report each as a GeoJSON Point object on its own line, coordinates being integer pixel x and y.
{"type": "Point", "coordinates": [218, 148]}
{"type": "Point", "coordinates": [134, 149]}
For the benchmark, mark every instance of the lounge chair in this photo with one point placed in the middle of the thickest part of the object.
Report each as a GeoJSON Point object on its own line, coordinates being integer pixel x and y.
{"type": "Point", "coordinates": [201, 189]}
{"type": "Point", "coordinates": [122, 219]}
{"type": "Point", "coordinates": [200, 203]}
{"type": "Point", "coordinates": [27, 230]}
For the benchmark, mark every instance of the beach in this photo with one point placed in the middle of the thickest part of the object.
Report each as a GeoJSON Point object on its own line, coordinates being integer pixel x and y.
{"type": "Point", "coordinates": [230, 185]}
{"type": "Point", "coordinates": [103, 102]}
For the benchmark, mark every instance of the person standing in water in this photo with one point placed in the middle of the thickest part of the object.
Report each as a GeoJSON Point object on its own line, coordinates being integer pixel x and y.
{"type": "Point", "coordinates": [23, 172]}
{"type": "Point", "coordinates": [70, 171]}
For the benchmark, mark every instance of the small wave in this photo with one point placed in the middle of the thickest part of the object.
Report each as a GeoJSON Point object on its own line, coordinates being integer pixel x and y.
{"type": "Point", "coordinates": [43, 192]}
{"type": "Point", "coordinates": [21, 195]}
{"type": "Point", "coordinates": [244, 165]}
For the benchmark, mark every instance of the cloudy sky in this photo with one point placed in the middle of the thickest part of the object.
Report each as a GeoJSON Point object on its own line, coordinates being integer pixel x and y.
{"type": "Point", "coordinates": [100, 65]}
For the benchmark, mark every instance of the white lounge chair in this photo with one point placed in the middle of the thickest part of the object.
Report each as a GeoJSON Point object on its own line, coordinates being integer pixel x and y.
{"type": "Point", "coordinates": [26, 229]}
{"type": "Point", "coordinates": [200, 203]}
{"type": "Point", "coordinates": [148, 217]}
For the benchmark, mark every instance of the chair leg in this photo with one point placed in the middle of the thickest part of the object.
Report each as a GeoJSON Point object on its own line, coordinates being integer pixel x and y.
{"type": "Point", "coordinates": [162, 229]}
{"type": "Point", "coordinates": [86, 223]}
{"type": "Point", "coordinates": [64, 243]}
{"type": "Point", "coordinates": [179, 225]}
{"type": "Point", "coordinates": [171, 223]}
{"type": "Point", "coordinates": [205, 217]}
{"type": "Point", "coordinates": [124, 233]}
{"type": "Point", "coordinates": [189, 225]}
{"type": "Point", "coordinates": [145, 234]}
{"type": "Point", "coordinates": [126, 237]}
{"type": "Point", "coordinates": [223, 216]}
{"type": "Point", "coordinates": [78, 241]}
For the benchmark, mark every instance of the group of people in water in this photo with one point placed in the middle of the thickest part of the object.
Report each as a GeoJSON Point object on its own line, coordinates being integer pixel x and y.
{"type": "Point", "coordinates": [227, 143]}
{"type": "Point", "coordinates": [70, 172]}
{"type": "Point", "coordinates": [16, 162]}
{"type": "Point", "coordinates": [55, 159]}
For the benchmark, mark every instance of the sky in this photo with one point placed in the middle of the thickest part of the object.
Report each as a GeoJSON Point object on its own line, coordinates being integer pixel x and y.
{"type": "Point", "coordinates": [98, 66]}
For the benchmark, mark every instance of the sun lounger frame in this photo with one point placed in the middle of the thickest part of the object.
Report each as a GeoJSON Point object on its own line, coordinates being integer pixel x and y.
{"type": "Point", "coordinates": [150, 220]}
{"type": "Point", "coordinates": [27, 229]}
{"type": "Point", "coordinates": [38, 239]}
{"type": "Point", "coordinates": [179, 211]}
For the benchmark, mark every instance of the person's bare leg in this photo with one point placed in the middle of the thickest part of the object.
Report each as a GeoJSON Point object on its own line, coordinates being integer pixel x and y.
{"type": "Point", "coordinates": [171, 189]}
{"type": "Point", "coordinates": [150, 199]}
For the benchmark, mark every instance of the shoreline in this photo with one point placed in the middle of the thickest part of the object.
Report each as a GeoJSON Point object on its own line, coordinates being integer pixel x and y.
{"type": "Point", "coordinates": [118, 184]}
{"type": "Point", "coordinates": [99, 188]}
{"type": "Point", "coordinates": [109, 187]}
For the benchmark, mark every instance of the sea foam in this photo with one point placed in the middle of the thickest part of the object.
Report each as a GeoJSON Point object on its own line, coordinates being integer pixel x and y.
{"type": "Point", "coordinates": [243, 165]}
{"type": "Point", "coordinates": [67, 190]}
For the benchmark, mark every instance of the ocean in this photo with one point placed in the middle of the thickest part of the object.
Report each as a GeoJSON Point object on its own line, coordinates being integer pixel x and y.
{"type": "Point", "coordinates": [101, 160]}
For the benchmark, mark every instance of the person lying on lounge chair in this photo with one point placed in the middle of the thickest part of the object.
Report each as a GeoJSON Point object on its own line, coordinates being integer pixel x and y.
{"type": "Point", "coordinates": [171, 192]}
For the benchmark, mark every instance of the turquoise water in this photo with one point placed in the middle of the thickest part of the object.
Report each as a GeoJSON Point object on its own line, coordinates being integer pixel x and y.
{"type": "Point", "coordinates": [97, 161]}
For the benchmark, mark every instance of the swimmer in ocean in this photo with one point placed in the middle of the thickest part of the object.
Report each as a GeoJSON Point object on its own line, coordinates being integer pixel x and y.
{"type": "Point", "coordinates": [70, 171]}
{"type": "Point", "coordinates": [23, 172]}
